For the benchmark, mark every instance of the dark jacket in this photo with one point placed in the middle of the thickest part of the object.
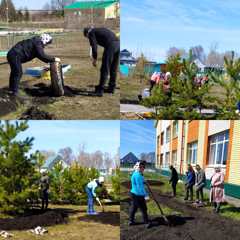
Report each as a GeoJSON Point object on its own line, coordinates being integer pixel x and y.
{"type": "Point", "coordinates": [44, 181]}
{"type": "Point", "coordinates": [100, 36]}
{"type": "Point", "coordinates": [174, 176]}
{"type": "Point", "coordinates": [29, 49]}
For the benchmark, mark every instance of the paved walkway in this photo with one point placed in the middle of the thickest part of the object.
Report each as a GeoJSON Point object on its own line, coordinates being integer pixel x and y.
{"type": "Point", "coordinates": [136, 108]}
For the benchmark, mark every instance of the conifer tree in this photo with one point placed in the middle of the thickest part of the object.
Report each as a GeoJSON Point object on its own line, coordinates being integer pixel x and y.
{"type": "Point", "coordinates": [17, 168]}
{"type": "Point", "coordinates": [230, 84]}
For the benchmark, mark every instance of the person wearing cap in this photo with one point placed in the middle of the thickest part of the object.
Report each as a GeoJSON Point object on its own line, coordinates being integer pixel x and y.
{"type": "Point", "coordinates": [138, 195]}
{"type": "Point", "coordinates": [44, 187]}
{"type": "Point", "coordinates": [24, 51]}
{"type": "Point", "coordinates": [110, 60]}
{"type": "Point", "coordinates": [217, 189]}
{"type": "Point", "coordinates": [91, 193]}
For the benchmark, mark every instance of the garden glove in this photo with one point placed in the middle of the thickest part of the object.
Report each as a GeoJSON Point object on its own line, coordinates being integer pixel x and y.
{"type": "Point", "coordinates": [57, 59]}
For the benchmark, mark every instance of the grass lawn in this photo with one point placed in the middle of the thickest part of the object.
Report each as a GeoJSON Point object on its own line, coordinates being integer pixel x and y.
{"type": "Point", "coordinates": [78, 225]}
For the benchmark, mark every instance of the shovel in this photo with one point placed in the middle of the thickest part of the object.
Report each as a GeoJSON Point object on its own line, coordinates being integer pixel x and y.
{"type": "Point", "coordinates": [100, 204]}
{"type": "Point", "coordinates": [157, 203]}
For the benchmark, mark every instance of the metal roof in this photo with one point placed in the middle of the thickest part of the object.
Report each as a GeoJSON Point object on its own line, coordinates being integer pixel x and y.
{"type": "Point", "coordinates": [90, 4]}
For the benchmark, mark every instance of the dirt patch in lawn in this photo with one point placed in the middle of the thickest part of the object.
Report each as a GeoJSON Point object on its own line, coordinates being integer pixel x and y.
{"type": "Point", "coordinates": [193, 224]}
{"type": "Point", "coordinates": [36, 218]}
{"type": "Point", "coordinates": [111, 218]}
{"type": "Point", "coordinates": [79, 101]}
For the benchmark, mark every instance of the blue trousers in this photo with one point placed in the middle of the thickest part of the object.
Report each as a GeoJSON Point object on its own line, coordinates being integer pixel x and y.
{"type": "Point", "coordinates": [90, 200]}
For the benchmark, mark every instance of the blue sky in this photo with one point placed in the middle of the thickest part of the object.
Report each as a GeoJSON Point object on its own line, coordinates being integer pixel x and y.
{"type": "Point", "coordinates": [153, 26]}
{"type": "Point", "coordinates": [53, 135]}
{"type": "Point", "coordinates": [137, 136]}
{"type": "Point", "coordinates": [30, 4]}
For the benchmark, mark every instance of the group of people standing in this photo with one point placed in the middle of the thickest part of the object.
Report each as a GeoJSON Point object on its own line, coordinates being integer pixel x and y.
{"type": "Point", "coordinates": [198, 179]}
{"type": "Point", "coordinates": [139, 195]}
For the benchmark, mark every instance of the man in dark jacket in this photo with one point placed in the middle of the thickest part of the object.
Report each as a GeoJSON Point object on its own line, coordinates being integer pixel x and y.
{"type": "Point", "coordinates": [110, 60]}
{"type": "Point", "coordinates": [44, 185]}
{"type": "Point", "coordinates": [23, 52]}
{"type": "Point", "coordinates": [174, 179]}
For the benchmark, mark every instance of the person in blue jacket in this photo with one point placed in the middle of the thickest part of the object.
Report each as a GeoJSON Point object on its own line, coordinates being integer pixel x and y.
{"type": "Point", "coordinates": [91, 194]}
{"type": "Point", "coordinates": [138, 194]}
{"type": "Point", "coordinates": [190, 181]}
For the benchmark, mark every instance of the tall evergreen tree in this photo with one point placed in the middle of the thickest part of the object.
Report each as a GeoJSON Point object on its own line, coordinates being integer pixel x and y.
{"type": "Point", "coordinates": [17, 168]}
{"type": "Point", "coordinates": [230, 84]}
{"type": "Point", "coordinates": [8, 11]}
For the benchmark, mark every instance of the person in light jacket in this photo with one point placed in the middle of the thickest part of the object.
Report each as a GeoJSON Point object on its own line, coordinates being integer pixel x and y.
{"type": "Point", "coordinates": [217, 189]}
{"type": "Point", "coordinates": [200, 184]}
{"type": "Point", "coordinates": [91, 194]}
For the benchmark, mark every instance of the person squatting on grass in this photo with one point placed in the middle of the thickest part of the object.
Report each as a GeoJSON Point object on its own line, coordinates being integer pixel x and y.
{"type": "Point", "coordinates": [173, 179]}
{"type": "Point", "coordinates": [24, 51]}
{"type": "Point", "coordinates": [91, 194]}
{"type": "Point", "coordinates": [217, 189]}
{"type": "Point", "coordinates": [110, 60]}
{"type": "Point", "coordinates": [44, 187]}
{"type": "Point", "coordinates": [190, 181]}
{"type": "Point", "coordinates": [200, 184]}
{"type": "Point", "coordinates": [138, 194]}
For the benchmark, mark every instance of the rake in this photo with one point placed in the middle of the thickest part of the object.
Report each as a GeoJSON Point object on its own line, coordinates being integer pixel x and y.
{"type": "Point", "coordinates": [157, 203]}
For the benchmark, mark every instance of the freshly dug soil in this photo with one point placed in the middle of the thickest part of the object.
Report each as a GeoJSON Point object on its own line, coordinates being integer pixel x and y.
{"type": "Point", "coordinates": [34, 113]}
{"type": "Point", "coordinates": [49, 218]}
{"type": "Point", "coordinates": [193, 224]}
{"type": "Point", "coordinates": [7, 104]}
{"type": "Point", "coordinates": [111, 218]}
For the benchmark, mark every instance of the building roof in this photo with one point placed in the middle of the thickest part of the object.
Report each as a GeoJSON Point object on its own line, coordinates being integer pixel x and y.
{"type": "Point", "coordinates": [91, 4]}
{"type": "Point", "coordinates": [129, 158]}
{"type": "Point", "coordinates": [51, 161]}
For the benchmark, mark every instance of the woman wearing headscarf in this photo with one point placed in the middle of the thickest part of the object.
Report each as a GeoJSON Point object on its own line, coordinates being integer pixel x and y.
{"type": "Point", "coordinates": [217, 189]}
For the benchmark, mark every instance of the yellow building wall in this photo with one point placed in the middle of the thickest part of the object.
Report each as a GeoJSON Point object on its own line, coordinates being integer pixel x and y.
{"type": "Point", "coordinates": [234, 168]}
{"type": "Point", "coordinates": [201, 142]}
{"type": "Point", "coordinates": [110, 12]}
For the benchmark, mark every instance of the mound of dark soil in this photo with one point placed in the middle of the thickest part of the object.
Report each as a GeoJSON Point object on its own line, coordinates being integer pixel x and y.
{"type": "Point", "coordinates": [103, 217]}
{"type": "Point", "coordinates": [48, 218]}
{"type": "Point", "coordinates": [34, 113]}
{"type": "Point", "coordinates": [200, 224]}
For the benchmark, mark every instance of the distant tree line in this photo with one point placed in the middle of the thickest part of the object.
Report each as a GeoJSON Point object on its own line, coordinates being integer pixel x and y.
{"type": "Point", "coordinates": [9, 13]}
{"type": "Point", "coordinates": [212, 58]}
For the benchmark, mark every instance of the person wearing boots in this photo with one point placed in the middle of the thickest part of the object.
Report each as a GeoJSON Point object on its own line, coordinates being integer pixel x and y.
{"type": "Point", "coordinates": [138, 195]}
{"type": "Point", "coordinates": [217, 189]}
{"type": "Point", "coordinates": [91, 194]}
{"type": "Point", "coordinates": [44, 186]}
{"type": "Point", "coordinates": [190, 181]}
{"type": "Point", "coordinates": [110, 60]}
{"type": "Point", "coordinates": [25, 51]}
{"type": "Point", "coordinates": [200, 183]}
{"type": "Point", "coordinates": [173, 179]}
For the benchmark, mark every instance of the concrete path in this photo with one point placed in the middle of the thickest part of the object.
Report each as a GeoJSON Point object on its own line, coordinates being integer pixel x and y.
{"type": "Point", "coordinates": [134, 108]}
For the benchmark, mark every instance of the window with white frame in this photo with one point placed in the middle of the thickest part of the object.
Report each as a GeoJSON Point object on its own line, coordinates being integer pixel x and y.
{"type": "Point", "coordinates": [167, 159]}
{"type": "Point", "coordinates": [218, 148]}
{"type": "Point", "coordinates": [162, 138]}
{"type": "Point", "coordinates": [174, 158]}
{"type": "Point", "coordinates": [192, 153]}
{"type": "Point", "coordinates": [168, 135]}
{"type": "Point", "coordinates": [175, 129]}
